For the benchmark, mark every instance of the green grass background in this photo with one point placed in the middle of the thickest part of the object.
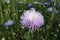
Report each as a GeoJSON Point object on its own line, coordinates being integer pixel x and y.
{"type": "Point", "coordinates": [13, 11]}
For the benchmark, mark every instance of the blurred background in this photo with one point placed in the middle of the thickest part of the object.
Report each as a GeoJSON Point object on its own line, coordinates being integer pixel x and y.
{"type": "Point", "coordinates": [11, 10]}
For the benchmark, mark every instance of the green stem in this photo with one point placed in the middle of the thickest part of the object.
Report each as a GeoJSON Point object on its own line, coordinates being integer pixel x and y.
{"type": "Point", "coordinates": [1, 15]}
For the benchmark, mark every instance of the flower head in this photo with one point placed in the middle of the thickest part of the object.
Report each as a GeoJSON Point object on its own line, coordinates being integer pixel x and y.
{"type": "Point", "coordinates": [58, 6]}
{"type": "Point", "coordinates": [51, 1]}
{"type": "Point", "coordinates": [32, 19]}
{"type": "Point", "coordinates": [30, 5]}
{"type": "Point", "coordinates": [9, 23]}
{"type": "Point", "coordinates": [46, 3]}
{"type": "Point", "coordinates": [49, 9]}
{"type": "Point", "coordinates": [56, 11]}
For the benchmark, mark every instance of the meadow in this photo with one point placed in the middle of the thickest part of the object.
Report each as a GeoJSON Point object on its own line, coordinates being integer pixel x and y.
{"type": "Point", "coordinates": [13, 9]}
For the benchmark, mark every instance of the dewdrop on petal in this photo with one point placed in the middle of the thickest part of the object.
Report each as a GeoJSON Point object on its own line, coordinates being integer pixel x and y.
{"type": "Point", "coordinates": [32, 19]}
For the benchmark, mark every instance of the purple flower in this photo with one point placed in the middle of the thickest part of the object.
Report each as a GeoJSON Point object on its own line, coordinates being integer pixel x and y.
{"type": "Point", "coordinates": [49, 9]}
{"type": "Point", "coordinates": [51, 1]}
{"type": "Point", "coordinates": [56, 11]}
{"type": "Point", "coordinates": [46, 4]}
{"type": "Point", "coordinates": [32, 19]}
{"type": "Point", "coordinates": [9, 23]}
{"type": "Point", "coordinates": [58, 6]}
{"type": "Point", "coordinates": [30, 5]}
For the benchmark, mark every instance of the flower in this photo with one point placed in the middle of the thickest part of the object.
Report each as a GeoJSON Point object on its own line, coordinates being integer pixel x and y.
{"type": "Point", "coordinates": [9, 23]}
{"type": "Point", "coordinates": [49, 9]}
{"type": "Point", "coordinates": [30, 5]}
{"type": "Point", "coordinates": [56, 11]}
{"type": "Point", "coordinates": [51, 1]}
{"type": "Point", "coordinates": [32, 19]}
{"type": "Point", "coordinates": [46, 3]}
{"type": "Point", "coordinates": [58, 6]}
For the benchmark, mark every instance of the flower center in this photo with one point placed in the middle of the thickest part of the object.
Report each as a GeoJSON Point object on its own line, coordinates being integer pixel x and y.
{"type": "Point", "coordinates": [32, 17]}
